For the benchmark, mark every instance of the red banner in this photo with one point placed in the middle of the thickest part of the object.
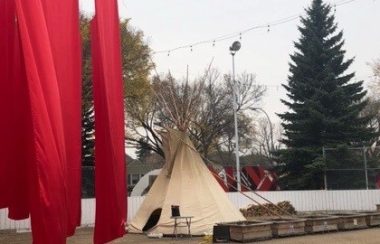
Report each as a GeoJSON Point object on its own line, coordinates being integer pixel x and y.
{"type": "Point", "coordinates": [7, 31]}
{"type": "Point", "coordinates": [15, 125]}
{"type": "Point", "coordinates": [62, 19]}
{"type": "Point", "coordinates": [48, 172]}
{"type": "Point", "coordinates": [110, 181]}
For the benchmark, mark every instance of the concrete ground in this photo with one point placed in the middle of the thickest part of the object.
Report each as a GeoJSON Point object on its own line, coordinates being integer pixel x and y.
{"type": "Point", "coordinates": [84, 236]}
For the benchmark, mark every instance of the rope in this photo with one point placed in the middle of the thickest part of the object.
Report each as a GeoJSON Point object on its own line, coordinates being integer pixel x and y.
{"type": "Point", "coordinates": [265, 199]}
{"type": "Point", "coordinates": [261, 205]}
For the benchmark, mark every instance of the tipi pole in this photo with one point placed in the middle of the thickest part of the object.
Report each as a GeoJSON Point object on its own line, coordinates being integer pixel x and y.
{"type": "Point", "coordinates": [261, 205]}
{"type": "Point", "coordinates": [257, 194]}
{"type": "Point", "coordinates": [265, 199]}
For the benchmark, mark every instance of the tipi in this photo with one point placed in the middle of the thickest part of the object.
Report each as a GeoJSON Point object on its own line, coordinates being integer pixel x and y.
{"type": "Point", "coordinates": [186, 181]}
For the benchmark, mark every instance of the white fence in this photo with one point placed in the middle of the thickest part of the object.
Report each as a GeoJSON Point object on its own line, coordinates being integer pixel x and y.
{"type": "Point", "coordinates": [301, 200]}
{"type": "Point", "coordinates": [88, 217]}
{"type": "Point", "coordinates": [316, 200]}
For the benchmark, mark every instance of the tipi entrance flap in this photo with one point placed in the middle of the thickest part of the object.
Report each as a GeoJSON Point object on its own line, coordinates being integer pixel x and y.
{"type": "Point", "coordinates": [153, 219]}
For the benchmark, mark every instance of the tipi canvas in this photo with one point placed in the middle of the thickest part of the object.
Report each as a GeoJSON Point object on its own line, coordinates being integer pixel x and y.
{"type": "Point", "coordinates": [184, 181]}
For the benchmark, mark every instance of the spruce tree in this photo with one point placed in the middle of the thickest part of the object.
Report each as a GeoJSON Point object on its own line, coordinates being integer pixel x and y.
{"type": "Point", "coordinates": [88, 146]}
{"type": "Point", "coordinates": [323, 100]}
{"type": "Point", "coordinates": [88, 134]}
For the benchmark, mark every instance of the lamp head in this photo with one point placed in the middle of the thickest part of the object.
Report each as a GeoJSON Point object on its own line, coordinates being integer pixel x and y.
{"type": "Point", "coordinates": [235, 46]}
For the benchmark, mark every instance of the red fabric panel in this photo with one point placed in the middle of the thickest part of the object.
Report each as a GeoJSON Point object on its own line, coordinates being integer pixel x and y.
{"type": "Point", "coordinates": [7, 30]}
{"type": "Point", "coordinates": [62, 19]}
{"type": "Point", "coordinates": [15, 125]}
{"type": "Point", "coordinates": [21, 140]}
{"type": "Point", "coordinates": [110, 188]}
{"type": "Point", "coordinates": [48, 172]}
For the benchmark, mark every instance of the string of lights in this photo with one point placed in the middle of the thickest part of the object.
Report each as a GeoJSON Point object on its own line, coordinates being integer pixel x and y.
{"type": "Point", "coordinates": [278, 87]}
{"type": "Point", "coordinates": [239, 34]}
{"type": "Point", "coordinates": [365, 78]}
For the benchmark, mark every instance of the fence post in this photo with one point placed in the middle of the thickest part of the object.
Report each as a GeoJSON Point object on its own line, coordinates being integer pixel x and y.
{"type": "Point", "coordinates": [324, 160]}
{"type": "Point", "coordinates": [365, 167]}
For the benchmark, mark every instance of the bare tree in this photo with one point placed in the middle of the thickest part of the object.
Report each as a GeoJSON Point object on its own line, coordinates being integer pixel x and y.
{"type": "Point", "coordinates": [202, 108]}
{"type": "Point", "coordinates": [142, 119]}
{"type": "Point", "coordinates": [213, 128]}
{"type": "Point", "coordinates": [375, 82]}
{"type": "Point", "coordinates": [264, 137]}
{"type": "Point", "coordinates": [171, 104]}
{"type": "Point", "coordinates": [267, 137]}
{"type": "Point", "coordinates": [373, 105]}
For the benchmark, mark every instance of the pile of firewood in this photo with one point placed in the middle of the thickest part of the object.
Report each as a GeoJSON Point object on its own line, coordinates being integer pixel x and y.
{"type": "Point", "coordinates": [283, 208]}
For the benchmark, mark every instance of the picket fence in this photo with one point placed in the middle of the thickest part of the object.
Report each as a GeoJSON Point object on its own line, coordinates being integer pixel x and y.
{"type": "Point", "coordinates": [301, 200]}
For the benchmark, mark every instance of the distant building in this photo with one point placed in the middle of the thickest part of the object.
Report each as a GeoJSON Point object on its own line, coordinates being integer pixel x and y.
{"type": "Point", "coordinates": [136, 169]}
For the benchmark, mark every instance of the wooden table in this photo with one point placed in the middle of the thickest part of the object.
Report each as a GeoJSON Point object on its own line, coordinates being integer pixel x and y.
{"type": "Point", "coordinates": [182, 221]}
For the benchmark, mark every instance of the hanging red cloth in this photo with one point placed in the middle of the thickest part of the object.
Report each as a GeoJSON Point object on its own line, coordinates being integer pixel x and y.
{"type": "Point", "coordinates": [62, 19]}
{"type": "Point", "coordinates": [40, 98]}
{"type": "Point", "coordinates": [110, 181]}
{"type": "Point", "coordinates": [7, 31]}
{"type": "Point", "coordinates": [48, 172]}
{"type": "Point", "coordinates": [21, 140]}
{"type": "Point", "coordinates": [15, 125]}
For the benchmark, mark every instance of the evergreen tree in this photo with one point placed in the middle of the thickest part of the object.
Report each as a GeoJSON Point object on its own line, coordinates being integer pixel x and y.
{"type": "Point", "coordinates": [324, 103]}
{"type": "Point", "coordinates": [88, 120]}
{"type": "Point", "coordinates": [88, 159]}
{"type": "Point", "coordinates": [88, 142]}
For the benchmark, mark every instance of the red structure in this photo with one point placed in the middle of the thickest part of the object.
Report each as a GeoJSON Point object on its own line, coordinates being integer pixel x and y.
{"type": "Point", "coordinates": [260, 179]}
{"type": "Point", "coordinates": [253, 178]}
{"type": "Point", "coordinates": [231, 180]}
{"type": "Point", "coordinates": [377, 181]}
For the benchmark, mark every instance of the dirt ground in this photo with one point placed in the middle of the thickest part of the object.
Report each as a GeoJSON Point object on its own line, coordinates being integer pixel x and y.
{"type": "Point", "coordinates": [84, 236]}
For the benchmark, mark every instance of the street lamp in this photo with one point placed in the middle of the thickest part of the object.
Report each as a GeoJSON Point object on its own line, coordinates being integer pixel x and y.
{"type": "Point", "coordinates": [233, 49]}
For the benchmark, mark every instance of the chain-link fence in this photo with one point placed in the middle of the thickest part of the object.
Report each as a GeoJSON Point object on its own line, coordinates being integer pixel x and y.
{"type": "Point", "coordinates": [352, 168]}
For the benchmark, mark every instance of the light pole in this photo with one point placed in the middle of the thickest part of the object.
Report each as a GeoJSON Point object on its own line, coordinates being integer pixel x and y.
{"type": "Point", "coordinates": [233, 49]}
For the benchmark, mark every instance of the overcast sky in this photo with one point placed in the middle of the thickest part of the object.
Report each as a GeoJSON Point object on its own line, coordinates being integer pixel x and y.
{"type": "Point", "coordinates": [171, 23]}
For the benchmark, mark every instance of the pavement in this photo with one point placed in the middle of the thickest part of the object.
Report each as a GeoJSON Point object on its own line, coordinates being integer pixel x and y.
{"type": "Point", "coordinates": [84, 236]}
